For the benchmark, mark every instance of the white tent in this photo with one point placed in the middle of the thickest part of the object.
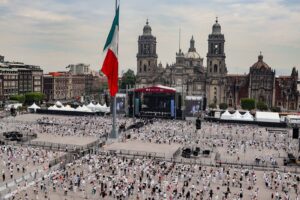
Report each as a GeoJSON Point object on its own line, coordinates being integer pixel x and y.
{"type": "Point", "coordinates": [247, 117]}
{"type": "Point", "coordinates": [34, 107]}
{"type": "Point", "coordinates": [91, 106]}
{"type": "Point", "coordinates": [106, 109]}
{"type": "Point", "coordinates": [226, 115]}
{"type": "Point", "coordinates": [83, 109]}
{"type": "Point", "coordinates": [15, 105]}
{"type": "Point", "coordinates": [293, 119]}
{"type": "Point", "coordinates": [267, 117]}
{"type": "Point", "coordinates": [68, 108]}
{"type": "Point", "coordinates": [59, 104]}
{"type": "Point", "coordinates": [237, 115]}
{"type": "Point", "coordinates": [99, 107]}
{"type": "Point", "coordinates": [54, 108]}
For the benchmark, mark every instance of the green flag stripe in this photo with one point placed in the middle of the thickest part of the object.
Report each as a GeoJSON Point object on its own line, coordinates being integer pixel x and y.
{"type": "Point", "coordinates": [112, 30]}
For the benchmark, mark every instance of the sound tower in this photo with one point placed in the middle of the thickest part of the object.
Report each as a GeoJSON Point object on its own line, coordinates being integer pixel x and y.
{"type": "Point", "coordinates": [204, 103]}
{"type": "Point", "coordinates": [198, 124]}
{"type": "Point", "coordinates": [295, 133]}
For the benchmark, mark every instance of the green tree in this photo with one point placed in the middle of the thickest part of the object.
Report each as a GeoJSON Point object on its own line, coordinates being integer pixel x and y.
{"type": "Point", "coordinates": [212, 106]}
{"type": "Point", "coordinates": [128, 78]}
{"type": "Point", "coordinates": [276, 109]}
{"type": "Point", "coordinates": [248, 104]}
{"type": "Point", "coordinates": [223, 106]}
{"type": "Point", "coordinates": [19, 98]}
{"type": "Point", "coordinates": [261, 106]}
{"type": "Point", "coordinates": [32, 97]}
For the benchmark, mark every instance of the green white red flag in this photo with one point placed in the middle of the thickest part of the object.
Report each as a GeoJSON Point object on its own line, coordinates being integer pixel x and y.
{"type": "Point", "coordinates": [111, 64]}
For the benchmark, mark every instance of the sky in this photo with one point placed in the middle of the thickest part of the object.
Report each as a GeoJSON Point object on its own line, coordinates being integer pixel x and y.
{"type": "Point", "coordinates": [56, 33]}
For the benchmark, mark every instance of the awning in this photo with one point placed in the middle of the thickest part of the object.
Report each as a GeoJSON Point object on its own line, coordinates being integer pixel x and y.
{"type": "Point", "coordinates": [156, 89]}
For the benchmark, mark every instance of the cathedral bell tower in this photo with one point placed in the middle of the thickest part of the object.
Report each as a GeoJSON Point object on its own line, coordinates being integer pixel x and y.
{"type": "Point", "coordinates": [146, 56]}
{"type": "Point", "coordinates": [216, 66]}
{"type": "Point", "coordinates": [216, 56]}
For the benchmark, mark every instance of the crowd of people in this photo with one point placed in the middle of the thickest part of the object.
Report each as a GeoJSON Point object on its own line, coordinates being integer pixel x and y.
{"type": "Point", "coordinates": [17, 160]}
{"type": "Point", "coordinates": [94, 126]}
{"type": "Point", "coordinates": [106, 175]}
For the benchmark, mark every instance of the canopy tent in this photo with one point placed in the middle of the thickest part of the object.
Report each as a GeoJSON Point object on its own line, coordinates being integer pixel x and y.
{"type": "Point", "coordinates": [91, 106]}
{"type": "Point", "coordinates": [33, 107]}
{"type": "Point", "coordinates": [226, 115]}
{"type": "Point", "coordinates": [267, 117]}
{"type": "Point", "coordinates": [237, 115]}
{"type": "Point", "coordinates": [293, 119]}
{"type": "Point", "coordinates": [54, 108]}
{"type": "Point", "coordinates": [15, 105]}
{"type": "Point", "coordinates": [106, 109]}
{"type": "Point", "coordinates": [59, 104]}
{"type": "Point", "coordinates": [83, 109]}
{"type": "Point", "coordinates": [247, 117]}
{"type": "Point", "coordinates": [68, 108]}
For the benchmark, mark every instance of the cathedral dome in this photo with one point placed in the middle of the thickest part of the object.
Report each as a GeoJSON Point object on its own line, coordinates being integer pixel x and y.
{"type": "Point", "coordinates": [216, 29]}
{"type": "Point", "coordinates": [147, 29]}
{"type": "Point", "coordinates": [260, 64]}
{"type": "Point", "coordinates": [192, 55]}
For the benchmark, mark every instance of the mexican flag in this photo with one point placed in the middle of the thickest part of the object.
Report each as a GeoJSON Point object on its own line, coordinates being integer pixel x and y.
{"type": "Point", "coordinates": [110, 64]}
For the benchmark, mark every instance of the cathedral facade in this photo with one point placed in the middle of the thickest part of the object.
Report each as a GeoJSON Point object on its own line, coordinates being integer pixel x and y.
{"type": "Point", "coordinates": [191, 78]}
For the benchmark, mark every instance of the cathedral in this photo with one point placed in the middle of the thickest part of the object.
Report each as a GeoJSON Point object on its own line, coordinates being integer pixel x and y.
{"type": "Point", "coordinates": [191, 78]}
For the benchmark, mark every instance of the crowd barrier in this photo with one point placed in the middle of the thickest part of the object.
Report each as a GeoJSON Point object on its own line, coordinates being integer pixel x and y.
{"type": "Point", "coordinates": [265, 124]}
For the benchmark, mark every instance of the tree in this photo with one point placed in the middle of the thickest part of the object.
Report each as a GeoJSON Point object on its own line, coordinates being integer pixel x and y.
{"type": "Point", "coordinates": [276, 109]}
{"type": "Point", "coordinates": [212, 106]}
{"type": "Point", "coordinates": [128, 78]}
{"type": "Point", "coordinates": [223, 106]}
{"type": "Point", "coordinates": [32, 97]}
{"type": "Point", "coordinates": [19, 98]}
{"type": "Point", "coordinates": [248, 104]}
{"type": "Point", "coordinates": [261, 106]}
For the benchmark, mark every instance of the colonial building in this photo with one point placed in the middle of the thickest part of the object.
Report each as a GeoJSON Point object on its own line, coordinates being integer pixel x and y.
{"type": "Point", "coordinates": [19, 78]}
{"type": "Point", "coordinates": [66, 86]}
{"type": "Point", "coordinates": [189, 76]}
{"type": "Point", "coordinates": [58, 86]}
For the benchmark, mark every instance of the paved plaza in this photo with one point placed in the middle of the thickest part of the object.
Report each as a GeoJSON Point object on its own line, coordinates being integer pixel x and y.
{"type": "Point", "coordinates": [245, 161]}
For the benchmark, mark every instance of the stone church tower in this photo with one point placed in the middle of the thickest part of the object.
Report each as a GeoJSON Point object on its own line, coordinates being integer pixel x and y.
{"type": "Point", "coordinates": [216, 66]}
{"type": "Point", "coordinates": [146, 56]}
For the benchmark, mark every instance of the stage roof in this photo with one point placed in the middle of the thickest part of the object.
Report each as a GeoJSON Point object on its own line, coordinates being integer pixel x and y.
{"type": "Point", "coordinates": [156, 89]}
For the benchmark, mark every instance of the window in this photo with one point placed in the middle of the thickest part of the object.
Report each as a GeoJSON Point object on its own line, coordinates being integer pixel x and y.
{"type": "Point", "coordinates": [145, 68]}
{"type": "Point", "coordinates": [210, 63]}
{"type": "Point", "coordinates": [216, 68]}
{"type": "Point", "coordinates": [149, 63]}
{"type": "Point", "coordinates": [140, 69]}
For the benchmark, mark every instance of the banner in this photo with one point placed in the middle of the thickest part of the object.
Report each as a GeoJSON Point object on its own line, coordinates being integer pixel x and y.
{"type": "Point", "coordinates": [137, 106]}
{"type": "Point", "coordinates": [172, 108]}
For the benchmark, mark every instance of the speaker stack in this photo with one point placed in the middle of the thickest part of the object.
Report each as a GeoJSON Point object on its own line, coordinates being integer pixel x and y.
{"type": "Point", "coordinates": [198, 124]}
{"type": "Point", "coordinates": [295, 133]}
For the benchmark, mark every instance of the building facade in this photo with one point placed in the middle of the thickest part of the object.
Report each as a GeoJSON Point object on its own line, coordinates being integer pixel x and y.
{"type": "Point", "coordinates": [190, 77]}
{"type": "Point", "coordinates": [19, 78]}
{"type": "Point", "coordinates": [79, 69]}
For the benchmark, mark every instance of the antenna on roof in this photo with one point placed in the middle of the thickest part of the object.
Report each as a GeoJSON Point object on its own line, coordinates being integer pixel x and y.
{"type": "Point", "coordinates": [179, 39]}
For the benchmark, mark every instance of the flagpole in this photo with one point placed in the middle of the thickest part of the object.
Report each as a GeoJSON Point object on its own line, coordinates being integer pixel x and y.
{"type": "Point", "coordinates": [114, 132]}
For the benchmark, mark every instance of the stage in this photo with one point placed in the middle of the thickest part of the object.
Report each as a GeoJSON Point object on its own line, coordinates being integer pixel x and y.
{"type": "Point", "coordinates": [155, 102]}
{"type": "Point", "coordinates": [144, 149]}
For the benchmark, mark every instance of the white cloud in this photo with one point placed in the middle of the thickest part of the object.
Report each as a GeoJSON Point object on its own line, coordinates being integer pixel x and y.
{"type": "Point", "coordinates": [43, 15]}
{"type": "Point", "coordinates": [56, 33]}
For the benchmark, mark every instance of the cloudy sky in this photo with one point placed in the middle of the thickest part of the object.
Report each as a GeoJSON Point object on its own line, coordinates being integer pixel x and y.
{"type": "Point", "coordinates": [55, 33]}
